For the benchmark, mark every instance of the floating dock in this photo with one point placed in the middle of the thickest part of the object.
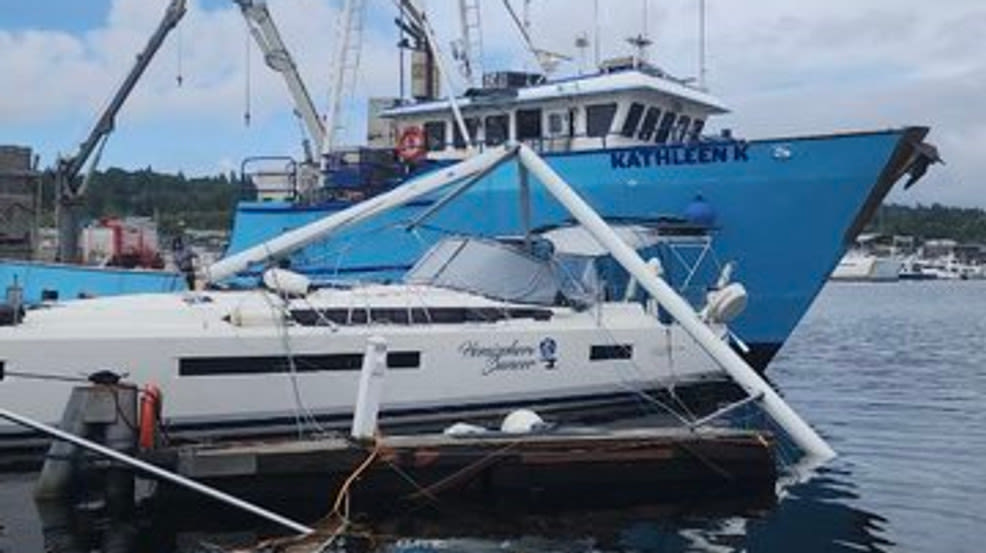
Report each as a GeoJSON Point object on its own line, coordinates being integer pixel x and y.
{"type": "Point", "coordinates": [563, 468]}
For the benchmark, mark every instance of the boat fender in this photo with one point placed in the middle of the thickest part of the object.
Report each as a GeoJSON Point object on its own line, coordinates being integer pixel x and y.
{"type": "Point", "coordinates": [150, 414]}
{"type": "Point", "coordinates": [412, 146]}
{"type": "Point", "coordinates": [727, 303]}
{"type": "Point", "coordinates": [245, 317]}
{"type": "Point", "coordinates": [287, 283]}
{"type": "Point", "coordinates": [522, 421]}
{"type": "Point", "coordinates": [464, 429]}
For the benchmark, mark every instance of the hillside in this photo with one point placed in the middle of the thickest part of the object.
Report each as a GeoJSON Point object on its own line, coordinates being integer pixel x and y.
{"type": "Point", "coordinates": [208, 202]}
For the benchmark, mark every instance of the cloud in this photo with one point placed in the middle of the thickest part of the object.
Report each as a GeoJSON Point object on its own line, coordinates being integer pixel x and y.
{"type": "Point", "coordinates": [785, 67]}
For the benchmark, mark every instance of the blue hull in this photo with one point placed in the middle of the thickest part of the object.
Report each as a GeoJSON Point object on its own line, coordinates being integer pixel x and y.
{"type": "Point", "coordinates": [786, 211]}
{"type": "Point", "coordinates": [75, 281]}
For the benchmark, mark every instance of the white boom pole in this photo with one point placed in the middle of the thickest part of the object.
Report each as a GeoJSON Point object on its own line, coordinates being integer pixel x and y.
{"type": "Point", "coordinates": [806, 438]}
{"type": "Point", "coordinates": [156, 471]}
{"type": "Point", "coordinates": [302, 236]}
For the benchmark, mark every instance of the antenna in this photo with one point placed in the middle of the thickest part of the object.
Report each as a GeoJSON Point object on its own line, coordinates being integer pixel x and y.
{"type": "Point", "coordinates": [582, 43]}
{"type": "Point", "coordinates": [641, 42]}
{"type": "Point", "coordinates": [595, 18]}
{"type": "Point", "coordinates": [701, 44]}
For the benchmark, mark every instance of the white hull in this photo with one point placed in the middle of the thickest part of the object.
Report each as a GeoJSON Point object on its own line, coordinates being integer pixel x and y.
{"type": "Point", "coordinates": [233, 371]}
{"type": "Point", "coordinates": [867, 268]}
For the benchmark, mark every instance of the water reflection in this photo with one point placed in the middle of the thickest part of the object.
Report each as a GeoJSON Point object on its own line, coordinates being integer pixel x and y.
{"type": "Point", "coordinates": [817, 515]}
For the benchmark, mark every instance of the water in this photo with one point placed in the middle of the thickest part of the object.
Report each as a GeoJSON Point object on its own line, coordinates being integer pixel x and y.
{"type": "Point", "coordinates": [893, 375]}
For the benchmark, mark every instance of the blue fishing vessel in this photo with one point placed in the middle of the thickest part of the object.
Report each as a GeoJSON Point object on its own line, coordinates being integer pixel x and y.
{"type": "Point", "coordinates": [633, 142]}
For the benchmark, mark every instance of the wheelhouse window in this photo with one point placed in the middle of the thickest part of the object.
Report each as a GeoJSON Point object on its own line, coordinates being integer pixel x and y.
{"type": "Point", "coordinates": [667, 123]}
{"type": "Point", "coordinates": [556, 124]}
{"type": "Point", "coordinates": [528, 124]}
{"type": "Point", "coordinates": [435, 135]}
{"type": "Point", "coordinates": [650, 121]}
{"type": "Point", "coordinates": [497, 129]}
{"type": "Point", "coordinates": [682, 127]}
{"type": "Point", "coordinates": [697, 127]}
{"type": "Point", "coordinates": [472, 125]}
{"type": "Point", "coordinates": [599, 119]}
{"type": "Point", "coordinates": [633, 119]}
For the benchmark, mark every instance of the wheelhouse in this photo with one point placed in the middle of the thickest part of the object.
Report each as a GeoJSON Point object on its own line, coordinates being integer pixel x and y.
{"type": "Point", "coordinates": [623, 106]}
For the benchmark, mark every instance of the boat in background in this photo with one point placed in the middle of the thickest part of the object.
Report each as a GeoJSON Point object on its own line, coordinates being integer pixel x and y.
{"type": "Point", "coordinates": [632, 141]}
{"type": "Point", "coordinates": [860, 266]}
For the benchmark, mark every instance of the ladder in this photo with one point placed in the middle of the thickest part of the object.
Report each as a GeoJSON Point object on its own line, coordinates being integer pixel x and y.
{"type": "Point", "coordinates": [344, 69]}
{"type": "Point", "coordinates": [471, 62]}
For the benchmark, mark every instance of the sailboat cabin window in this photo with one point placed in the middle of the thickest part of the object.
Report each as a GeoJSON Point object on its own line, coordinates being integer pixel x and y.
{"type": "Point", "coordinates": [650, 121]}
{"type": "Point", "coordinates": [528, 124]}
{"type": "Point", "coordinates": [632, 120]}
{"type": "Point", "coordinates": [664, 130]}
{"type": "Point", "coordinates": [599, 119]}
{"type": "Point", "coordinates": [435, 135]}
{"type": "Point", "coordinates": [472, 125]}
{"type": "Point", "coordinates": [497, 129]}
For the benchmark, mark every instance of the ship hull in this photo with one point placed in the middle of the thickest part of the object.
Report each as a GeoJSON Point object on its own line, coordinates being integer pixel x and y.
{"type": "Point", "coordinates": [786, 212]}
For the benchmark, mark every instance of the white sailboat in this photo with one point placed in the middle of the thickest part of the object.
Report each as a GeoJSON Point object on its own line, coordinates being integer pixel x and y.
{"type": "Point", "coordinates": [478, 324]}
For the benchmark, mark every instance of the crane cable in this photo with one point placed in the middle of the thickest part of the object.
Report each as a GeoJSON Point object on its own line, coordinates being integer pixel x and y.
{"type": "Point", "coordinates": [180, 78]}
{"type": "Point", "coordinates": [246, 87]}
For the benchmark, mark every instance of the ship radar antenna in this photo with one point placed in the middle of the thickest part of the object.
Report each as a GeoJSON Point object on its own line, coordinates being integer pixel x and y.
{"type": "Point", "coordinates": [642, 41]}
{"type": "Point", "coordinates": [582, 44]}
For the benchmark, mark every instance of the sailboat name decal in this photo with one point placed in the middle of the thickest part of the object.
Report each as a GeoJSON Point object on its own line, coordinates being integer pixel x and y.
{"type": "Point", "coordinates": [514, 356]}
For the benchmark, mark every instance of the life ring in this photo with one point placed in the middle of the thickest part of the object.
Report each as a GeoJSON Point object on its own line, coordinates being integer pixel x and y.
{"type": "Point", "coordinates": [150, 413]}
{"type": "Point", "coordinates": [411, 146]}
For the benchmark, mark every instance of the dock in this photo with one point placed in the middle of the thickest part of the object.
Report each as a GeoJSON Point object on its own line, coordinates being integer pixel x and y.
{"type": "Point", "coordinates": [538, 472]}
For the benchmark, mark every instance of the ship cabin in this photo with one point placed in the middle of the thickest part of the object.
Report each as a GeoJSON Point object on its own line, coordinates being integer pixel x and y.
{"type": "Point", "coordinates": [625, 105]}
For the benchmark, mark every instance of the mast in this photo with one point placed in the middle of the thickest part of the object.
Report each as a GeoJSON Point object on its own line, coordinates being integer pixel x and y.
{"type": "Point", "coordinates": [345, 66]}
{"type": "Point", "coordinates": [471, 56]}
{"type": "Point", "coordinates": [67, 169]}
{"type": "Point", "coordinates": [548, 61]}
{"type": "Point", "coordinates": [701, 44]}
{"type": "Point", "coordinates": [421, 22]}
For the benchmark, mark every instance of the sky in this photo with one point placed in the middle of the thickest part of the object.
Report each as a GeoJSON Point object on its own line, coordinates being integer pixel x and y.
{"type": "Point", "coordinates": [784, 68]}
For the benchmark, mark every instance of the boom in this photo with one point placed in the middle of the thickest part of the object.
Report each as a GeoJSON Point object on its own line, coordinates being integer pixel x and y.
{"type": "Point", "coordinates": [68, 168]}
{"type": "Point", "coordinates": [278, 58]}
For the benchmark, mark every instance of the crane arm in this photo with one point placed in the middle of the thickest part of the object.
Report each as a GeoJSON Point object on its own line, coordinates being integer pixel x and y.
{"type": "Point", "coordinates": [70, 167]}
{"type": "Point", "coordinates": [278, 58]}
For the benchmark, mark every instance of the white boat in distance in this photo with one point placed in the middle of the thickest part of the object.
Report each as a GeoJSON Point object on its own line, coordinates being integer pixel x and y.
{"type": "Point", "coordinates": [857, 266]}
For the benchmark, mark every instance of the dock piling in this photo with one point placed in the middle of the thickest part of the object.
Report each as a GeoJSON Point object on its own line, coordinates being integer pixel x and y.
{"type": "Point", "coordinates": [370, 389]}
{"type": "Point", "coordinates": [155, 471]}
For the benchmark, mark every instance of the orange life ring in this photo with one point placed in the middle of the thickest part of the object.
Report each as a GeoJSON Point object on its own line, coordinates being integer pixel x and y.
{"type": "Point", "coordinates": [150, 412]}
{"type": "Point", "coordinates": [412, 146]}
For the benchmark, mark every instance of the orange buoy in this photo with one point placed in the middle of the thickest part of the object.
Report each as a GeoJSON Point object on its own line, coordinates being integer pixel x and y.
{"type": "Point", "coordinates": [412, 146]}
{"type": "Point", "coordinates": [150, 413]}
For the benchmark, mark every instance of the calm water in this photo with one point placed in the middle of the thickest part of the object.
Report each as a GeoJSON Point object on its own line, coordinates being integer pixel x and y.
{"type": "Point", "coordinates": [894, 375]}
